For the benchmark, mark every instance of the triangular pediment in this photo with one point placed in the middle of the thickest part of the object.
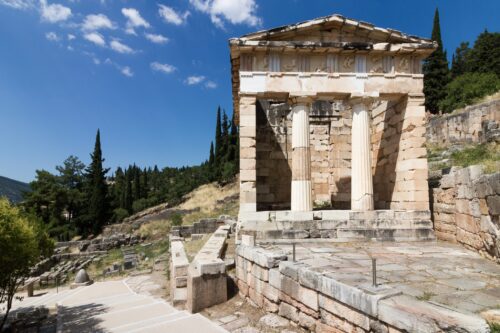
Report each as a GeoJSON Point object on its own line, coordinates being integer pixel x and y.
{"type": "Point", "coordinates": [334, 28]}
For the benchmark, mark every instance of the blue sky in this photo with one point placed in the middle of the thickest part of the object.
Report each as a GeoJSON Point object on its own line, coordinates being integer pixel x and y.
{"type": "Point", "coordinates": [150, 74]}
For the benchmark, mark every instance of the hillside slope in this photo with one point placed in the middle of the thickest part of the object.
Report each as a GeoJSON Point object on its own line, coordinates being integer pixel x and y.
{"type": "Point", "coordinates": [13, 189]}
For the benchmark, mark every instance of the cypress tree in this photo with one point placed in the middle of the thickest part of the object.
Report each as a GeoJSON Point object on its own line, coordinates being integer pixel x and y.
{"type": "Point", "coordinates": [460, 60]}
{"type": "Point", "coordinates": [137, 183]}
{"type": "Point", "coordinates": [218, 139]}
{"type": "Point", "coordinates": [145, 185]}
{"type": "Point", "coordinates": [211, 158]}
{"type": "Point", "coordinates": [225, 136]}
{"type": "Point", "coordinates": [98, 200]}
{"type": "Point", "coordinates": [128, 191]}
{"type": "Point", "coordinates": [435, 70]}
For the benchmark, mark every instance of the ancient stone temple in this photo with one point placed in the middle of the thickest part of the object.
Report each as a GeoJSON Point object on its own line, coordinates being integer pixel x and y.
{"type": "Point", "coordinates": [332, 131]}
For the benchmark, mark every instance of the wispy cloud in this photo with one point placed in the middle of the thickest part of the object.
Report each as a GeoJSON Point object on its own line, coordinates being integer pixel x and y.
{"type": "Point", "coordinates": [95, 38]}
{"type": "Point", "coordinates": [169, 15]}
{"type": "Point", "coordinates": [194, 80]}
{"type": "Point", "coordinates": [158, 39]}
{"type": "Point", "coordinates": [94, 22]}
{"type": "Point", "coordinates": [119, 47]}
{"type": "Point", "coordinates": [54, 12]}
{"type": "Point", "coordinates": [71, 36]}
{"type": "Point", "coordinates": [127, 71]}
{"type": "Point", "coordinates": [52, 36]}
{"type": "Point", "coordinates": [18, 4]}
{"type": "Point", "coordinates": [163, 68]}
{"type": "Point", "coordinates": [134, 20]}
{"type": "Point", "coordinates": [210, 85]}
{"type": "Point", "coordinates": [233, 11]}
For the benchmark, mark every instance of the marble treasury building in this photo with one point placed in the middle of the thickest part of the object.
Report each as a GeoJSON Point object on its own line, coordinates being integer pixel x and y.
{"type": "Point", "coordinates": [332, 132]}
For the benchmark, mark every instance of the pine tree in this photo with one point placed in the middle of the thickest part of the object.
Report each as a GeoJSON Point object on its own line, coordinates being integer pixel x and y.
{"type": "Point", "coordinates": [128, 191]}
{"type": "Point", "coordinates": [225, 137]}
{"type": "Point", "coordinates": [145, 185]}
{"type": "Point", "coordinates": [485, 55]}
{"type": "Point", "coordinates": [97, 191]}
{"type": "Point", "coordinates": [435, 70]}
{"type": "Point", "coordinates": [137, 183]}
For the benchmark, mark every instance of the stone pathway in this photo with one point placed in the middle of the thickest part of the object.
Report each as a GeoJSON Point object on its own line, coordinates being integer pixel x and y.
{"type": "Point", "coordinates": [438, 272]}
{"type": "Point", "coordinates": [114, 306]}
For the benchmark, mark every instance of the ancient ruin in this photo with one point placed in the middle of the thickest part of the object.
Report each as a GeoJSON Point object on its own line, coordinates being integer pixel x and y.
{"type": "Point", "coordinates": [332, 131]}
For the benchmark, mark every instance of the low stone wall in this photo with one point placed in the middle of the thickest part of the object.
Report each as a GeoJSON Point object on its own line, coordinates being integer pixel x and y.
{"type": "Point", "coordinates": [466, 208]}
{"type": "Point", "coordinates": [318, 302]}
{"type": "Point", "coordinates": [207, 282]}
{"type": "Point", "coordinates": [204, 226]}
{"type": "Point", "coordinates": [179, 264]}
{"type": "Point", "coordinates": [476, 124]}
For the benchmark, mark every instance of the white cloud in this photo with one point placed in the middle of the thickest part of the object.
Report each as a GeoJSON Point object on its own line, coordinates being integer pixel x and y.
{"type": "Point", "coordinates": [234, 11]}
{"type": "Point", "coordinates": [164, 68]}
{"type": "Point", "coordinates": [95, 22]}
{"type": "Point", "coordinates": [18, 4]}
{"type": "Point", "coordinates": [54, 12]}
{"type": "Point", "coordinates": [158, 39]}
{"type": "Point", "coordinates": [134, 20]}
{"type": "Point", "coordinates": [195, 79]}
{"type": "Point", "coordinates": [171, 16]}
{"type": "Point", "coordinates": [52, 36]}
{"type": "Point", "coordinates": [95, 38]}
{"type": "Point", "coordinates": [120, 47]}
{"type": "Point", "coordinates": [210, 85]}
{"type": "Point", "coordinates": [71, 36]}
{"type": "Point", "coordinates": [126, 71]}
{"type": "Point", "coordinates": [96, 61]}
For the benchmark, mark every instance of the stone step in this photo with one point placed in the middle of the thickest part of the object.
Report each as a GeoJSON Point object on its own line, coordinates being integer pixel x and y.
{"type": "Point", "coordinates": [151, 322]}
{"type": "Point", "coordinates": [413, 234]}
{"type": "Point", "coordinates": [192, 323]}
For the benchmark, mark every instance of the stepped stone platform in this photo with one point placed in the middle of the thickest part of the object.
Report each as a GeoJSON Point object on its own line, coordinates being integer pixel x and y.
{"type": "Point", "coordinates": [338, 225]}
{"type": "Point", "coordinates": [421, 286]}
{"type": "Point", "coordinates": [113, 306]}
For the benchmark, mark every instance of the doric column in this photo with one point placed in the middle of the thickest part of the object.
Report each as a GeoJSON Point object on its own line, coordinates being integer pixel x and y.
{"type": "Point", "coordinates": [361, 168]}
{"type": "Point", "coordinates": [301, 156]}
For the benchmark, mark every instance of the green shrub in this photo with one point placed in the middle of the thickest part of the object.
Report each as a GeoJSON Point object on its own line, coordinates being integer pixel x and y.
{"type": "Point", "coordinates": [487, 155]}
{"type": "Point", "coordinates": [468, 88]}
{"type": "Point", "coordinates": [119, 214]}
{"type": "Point", "coordinates": [176, 219]}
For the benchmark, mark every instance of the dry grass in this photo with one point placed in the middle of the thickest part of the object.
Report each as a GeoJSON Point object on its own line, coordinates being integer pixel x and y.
{"type": "Point", "coordinates": [212, 200]}
{"type": "Point", "coordinates": [158, 229]}
{"type": "Point", "coordinates": [194, 246]}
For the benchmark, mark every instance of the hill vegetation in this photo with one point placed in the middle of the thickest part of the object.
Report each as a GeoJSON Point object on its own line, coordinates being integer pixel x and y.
{"type": "Point", "coordinates": [474, 72]}
{"type": "Point", "coordinates": [13, 189]}
{"type": "Point", "coordinates": [80, 200]}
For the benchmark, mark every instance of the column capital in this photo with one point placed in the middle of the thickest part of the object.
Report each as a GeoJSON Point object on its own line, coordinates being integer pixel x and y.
{"type": "Point", "coordinates": [301, 99]}
{"type": "Point", "coordinates": [362, 98]}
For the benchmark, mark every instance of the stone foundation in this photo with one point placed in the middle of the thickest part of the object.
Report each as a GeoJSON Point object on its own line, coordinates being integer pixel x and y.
{"type": "Point", "coordinates": [338, 225]}
{"type": "Point", "coordinates": [319, 302]}
{"type": "Point", "coordinates": [466, 209]}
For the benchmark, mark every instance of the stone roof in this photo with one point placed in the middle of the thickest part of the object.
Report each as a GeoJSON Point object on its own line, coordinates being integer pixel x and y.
{"type": "Point", "coordinates": [374, 39]}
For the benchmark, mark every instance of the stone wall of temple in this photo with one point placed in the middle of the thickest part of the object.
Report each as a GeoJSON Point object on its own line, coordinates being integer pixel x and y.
{"type": "Point", "coordinates": [466, 209]}
{"type": "Point", "coordinates": [475, 124]}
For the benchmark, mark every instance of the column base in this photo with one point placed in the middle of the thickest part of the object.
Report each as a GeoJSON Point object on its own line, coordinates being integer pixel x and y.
{"type": "Point", "coordinates": [301, 196]}
{"type": "Point", "coordinates": [363, 204]}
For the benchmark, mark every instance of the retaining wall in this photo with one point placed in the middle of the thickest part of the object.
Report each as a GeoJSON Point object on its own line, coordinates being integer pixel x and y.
{"type": "Point", "coordinates": [475, 124]}
{"type": "Point", "coordinates": [466, 208]}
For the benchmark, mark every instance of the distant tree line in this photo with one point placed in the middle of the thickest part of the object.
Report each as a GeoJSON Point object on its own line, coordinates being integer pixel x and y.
{"type": "Point", "coordinates": [474, 72]}
{"type": "Point", "coordinates": [80, 200]}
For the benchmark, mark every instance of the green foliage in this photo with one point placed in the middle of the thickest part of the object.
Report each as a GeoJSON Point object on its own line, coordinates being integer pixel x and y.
{"type": "Point", "coordinates": [22, 243]}
{"type": "Point", "coordinates": [468, 88]}
{"type": "Point", "coordinates": [494, 327]}
{"type": "Point", "coordinates": [487, 155]}
{"type": "Point", "coordinates": [176, 219]}
{"type": "Point", "coordinates": [485, 55]}
{"type": "Point", "coordinates": [140, 204]}
{"type": "Point", "coordinates": [119, 214]}
{"type": "Point", "coordinates": [459, 64]}
{"type": "Point", "coordinates": [435, 70]}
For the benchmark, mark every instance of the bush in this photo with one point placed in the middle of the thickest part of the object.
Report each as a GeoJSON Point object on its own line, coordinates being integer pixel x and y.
{"type": "Point", "coordinates": [467, 89]}
{"type": "Point", "coordinates": [119, 214]}
{"type": "Point", "coordinates": [176, 219]}
{"type": "Point", "coordinates": [140, 205]}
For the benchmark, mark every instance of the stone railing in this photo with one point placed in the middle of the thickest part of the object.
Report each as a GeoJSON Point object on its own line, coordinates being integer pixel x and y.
{"type": "Point", "coordinates": [320, 303]}
{"type": "Point", "coordinates": [466, 208]}
{"type": "Point", "coordinates": [475, 124]}
{"type": "Point", "coordinates": [203, 226]}
{"type": "Point", "coordinates": [207, 281]}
